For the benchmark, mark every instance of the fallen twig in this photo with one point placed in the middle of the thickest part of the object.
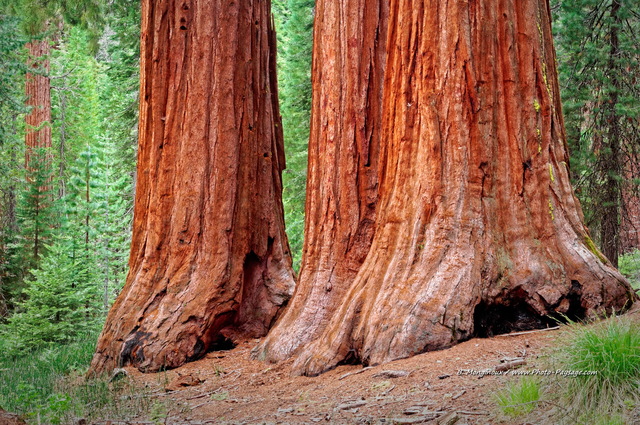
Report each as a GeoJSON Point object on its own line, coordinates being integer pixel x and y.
{"type": "Point", "coordinates": [355, 373]}
{"type": "Point", "coordinates": [392, 374]}
{"type": "Point", "coordinates": [528, 332]}
{"type": "Point", "coordinates": [387, 391]}
{"type": "Point", "coordinates": [201, 404]}
{"type": "Point", "coordinates": [195, 397]}
{"type": "Point", "coordinates": [464, 412]}
{"type": "Point", "coordinates": [458, 395]}
{"type": "Point", "coordinates": [510, 365]}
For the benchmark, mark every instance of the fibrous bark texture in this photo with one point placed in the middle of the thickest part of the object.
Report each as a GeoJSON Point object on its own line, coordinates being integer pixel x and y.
{"type": "Point", "coordinates": [38, 93]}
{"type": "Point", "coordinates": [630, 223]}
{"type": "Point", "coordinates": [478, 231]}
{"type": "Point", "coordinates": [209, 255]}
{"type": "Point", "coordinates": [342, 186]}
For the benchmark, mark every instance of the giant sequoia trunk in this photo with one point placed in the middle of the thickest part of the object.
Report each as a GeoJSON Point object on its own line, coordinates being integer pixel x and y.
{"type": "Point", "coordinates": [478, 231]}
{"type": "Point", "coordinates": [209, 255]}
{"type": "Point", "coordinates": [342, 186]}
{"type": "Point", "coordinates": [38, 93]}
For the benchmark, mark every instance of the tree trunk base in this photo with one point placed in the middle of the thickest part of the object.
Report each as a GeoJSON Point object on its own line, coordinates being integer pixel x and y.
{"type": "Point", "coordinates": [477, 231]}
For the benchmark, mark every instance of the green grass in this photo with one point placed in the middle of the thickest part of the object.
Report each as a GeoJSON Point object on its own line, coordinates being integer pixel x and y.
{"type": "Point", "coordinates": [48, 387]}
{"type": "Point", "coordinates": [629, 265]}
{"type": "Point", "coordinates": [519, 398]}
{"type": "Point", "coordinates": [611, 396]}
{"type": "Point", "coordinates": [610, 348]}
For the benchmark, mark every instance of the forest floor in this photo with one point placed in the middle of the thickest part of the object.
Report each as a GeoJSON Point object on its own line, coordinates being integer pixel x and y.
{"type": "Point", "coordinates": [441, 387]}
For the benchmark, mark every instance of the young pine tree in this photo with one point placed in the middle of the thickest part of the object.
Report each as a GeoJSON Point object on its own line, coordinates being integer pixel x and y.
{"type": "Point", "coordinates": [56, 307]}
{"type": "Point", "coordinates": [36, 211]}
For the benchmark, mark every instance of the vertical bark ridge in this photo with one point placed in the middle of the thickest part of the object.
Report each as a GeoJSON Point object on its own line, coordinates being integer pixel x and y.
{"type": "Point", "coordinates": [209, 256]}
{"type": "Point", "coordinates": [478, 230]}
{"type": "Point", "coordinates": [342, 188]}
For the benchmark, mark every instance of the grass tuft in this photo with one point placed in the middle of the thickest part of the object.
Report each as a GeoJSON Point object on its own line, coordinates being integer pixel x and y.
{"type": "Point", "coordinates": [612, 350]}
{"type": "Point", "coordinates": [519, 398]}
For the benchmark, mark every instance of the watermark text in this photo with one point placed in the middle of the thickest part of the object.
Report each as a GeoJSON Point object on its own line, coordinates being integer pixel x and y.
{"type": "Point", "coordinates": [521, 372]}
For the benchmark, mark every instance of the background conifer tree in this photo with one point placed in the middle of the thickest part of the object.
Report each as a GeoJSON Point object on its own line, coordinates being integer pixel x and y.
{"type": "Point", "coordinates": [599, 56]}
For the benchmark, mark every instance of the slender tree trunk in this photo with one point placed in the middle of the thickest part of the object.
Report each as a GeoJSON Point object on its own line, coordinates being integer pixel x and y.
{"type": "Point", "coordinates": [610, 162]}
{"type": "Point", "coordinates": [209, 256]}
{"type": "Point", "coordinates": [62, 138]}
{"type": "Point", "coordinates": [38, 91]}
{"type": "Point", "coordinates": [478, 231]}
{"type": "Point", "coordinates": [342, 185]}
{"type": "Point", "coordinates": [38, 128]}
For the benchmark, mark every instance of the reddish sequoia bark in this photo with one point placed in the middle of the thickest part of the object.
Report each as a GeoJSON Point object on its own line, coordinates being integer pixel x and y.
{"type": "Point", "coordinates": [342, 188]}
{"type": "Point", "coordinates": [38, 91]}
{"type": "Point", "coordinates": [478, 230]}
{"type": "Point", "coordinates": [38, 127]}
{"type": "Point", "coordinates": [630, 223]}
{"type": "Point", "coordinates": [209, 255]}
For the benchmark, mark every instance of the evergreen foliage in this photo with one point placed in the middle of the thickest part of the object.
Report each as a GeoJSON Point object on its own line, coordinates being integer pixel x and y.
{"type": "Point", "coordinates": [36, 210]}
{"type": "Point", "coordinates": [75, 101]}
{"type": "Point", "coordinates": [46, 387]}
{"type": "Point", "coordinates": [40, 16]}
{"type": "Point", "coordinates": [119, 87]}
{"type": "Point", "coordinates": [599, 54]}
{"type": "Point", "coordinates": [12, 71]}
{"type": "Point", "coordinates": [630, 267]}
{"type": "Point", "coordinates": [57, 306]}
{"type": "Point", "coordinates": [78, 195]}
{"type": "Point", "coordinates": [295, 34]}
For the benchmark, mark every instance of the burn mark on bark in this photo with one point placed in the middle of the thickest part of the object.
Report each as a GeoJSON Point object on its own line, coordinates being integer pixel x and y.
{"type": "Point", "coordinates": [352, 358]}
{"type": "Point", "coordinates": [199, 350]}
{"type": "Point", "coordinates": [513, 312]}
{"type": "Point", "coordinates": [132, 351]}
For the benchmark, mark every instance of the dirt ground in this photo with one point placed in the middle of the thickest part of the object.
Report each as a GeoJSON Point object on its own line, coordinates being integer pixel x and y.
{"type": "Point", "coordinates": [442, 387]}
